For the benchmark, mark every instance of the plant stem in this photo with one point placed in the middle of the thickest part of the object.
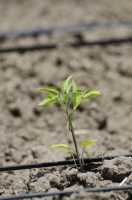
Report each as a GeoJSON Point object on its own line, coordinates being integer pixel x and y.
{"type": "Point", "coordinates": [82, 155]}
{"type": "Point", "coordinates": [74, 139]}
{"type": "Point", "coordinates": [74, 159]}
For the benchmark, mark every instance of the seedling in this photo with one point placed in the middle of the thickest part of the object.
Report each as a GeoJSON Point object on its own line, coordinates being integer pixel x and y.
{"type": "Point", "coordinates": [69, 100]}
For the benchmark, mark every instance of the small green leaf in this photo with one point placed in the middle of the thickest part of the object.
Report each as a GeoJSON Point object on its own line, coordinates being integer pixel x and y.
{"type": "Point", "coordinates": [76, 98]}
{"type": "Point", "coordinates": [49, 100]}
{"type": "Point", "coordinates": [63, 86]}
{"type": "Point", "coordinates": [74, 86]}
{"type": "Point", "coordinates": [66, 85]}
{"type": "Point", "coordinates": [60, 146]}
{"type": "Point", "coordinates": [90, 93]}
{"type": "Point", "coordinates": [79, 91]}
{"type": "Point", "coordinates": [87, 142]}
{"type": "Point", "coordinates": [50, 89]}
{"type": "Point", "coordinates": [76, 101]}
{"type": "Point", "coordinates": [76, 94]}
{"type": "Point", "coordinates": [66, 97]}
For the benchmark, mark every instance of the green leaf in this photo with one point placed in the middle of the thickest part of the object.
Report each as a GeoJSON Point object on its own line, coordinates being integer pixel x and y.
{"type": "Point", "coordinates": [90, 93]}
{"type": "Point", "coordinates": [66, 97]}
{"type": "Point", "coordinates": [76, 98]}
{"type": "Point", "coordinates": [63, 86]}
{"type": "Point", "coordinates": [49, 100]}
{"type": "Point", "coordinates": [76, 94]}
{"type": "Point", "coordinates": [60, 146]}
{"type": "Point", "coordinates": [74, 86]}
{"type": "Point", "coordinates": [79, 91]}
{"type": "Point", "coordinates": [66, 85]}
{"type": "Point", "coordinates": [76, 101]}
{"type": "Point", "coordinates": [50, 89]}
{"type": "Point", "coordinates": [87, 142]}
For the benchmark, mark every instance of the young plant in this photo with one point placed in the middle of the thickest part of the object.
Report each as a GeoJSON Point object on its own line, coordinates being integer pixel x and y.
{"type": "Point", "coordinates": [69, 100]}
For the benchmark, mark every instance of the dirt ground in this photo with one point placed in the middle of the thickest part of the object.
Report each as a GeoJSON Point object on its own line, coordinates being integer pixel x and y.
{"type": "Point", "coordinates": [26, 129]}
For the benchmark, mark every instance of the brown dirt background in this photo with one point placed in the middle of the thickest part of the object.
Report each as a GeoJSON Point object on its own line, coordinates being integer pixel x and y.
{"type": "Point", "coordinates": [26, 129]}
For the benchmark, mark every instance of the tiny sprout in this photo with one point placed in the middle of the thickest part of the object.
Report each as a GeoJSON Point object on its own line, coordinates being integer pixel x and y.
{"type": "Point", "coordinates": [72, 96]}
{"type": "Point", "coordinates": [84, 144]}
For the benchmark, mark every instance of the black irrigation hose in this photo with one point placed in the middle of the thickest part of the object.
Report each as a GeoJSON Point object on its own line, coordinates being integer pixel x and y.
{"type": "Point", "coordinates": [22, 49]}
{"type": "Point", "coordinates": [77, 27]}
{"type": "Point", "coordinates": [64, 162]}
{"type": "Point", "coordinates": [61, 193]}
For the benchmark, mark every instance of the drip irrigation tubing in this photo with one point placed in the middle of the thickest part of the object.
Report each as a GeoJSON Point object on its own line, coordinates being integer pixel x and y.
{"type": "Point", "coordinates": [73, 28]}
{"type": "Point", "coordinates": [64, 162]}
{"type": "Point", "coordinates": [68, 192]}
{"type": "Point", "coordinates": [80, 43]}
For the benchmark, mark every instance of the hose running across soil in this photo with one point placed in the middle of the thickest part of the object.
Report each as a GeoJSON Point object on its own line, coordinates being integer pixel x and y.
{"type": "Point", "coordinates": [69, 28]}
{"type": "Point", "coordinates": [44, 194]}
{"type": "Point", "coordinates": [58, 163]}
{"type": "Point", "coordinates": [102, 42]}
